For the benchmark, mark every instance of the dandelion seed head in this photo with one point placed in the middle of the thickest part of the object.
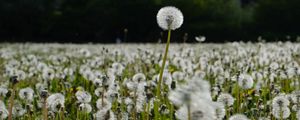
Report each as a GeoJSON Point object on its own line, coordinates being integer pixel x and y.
{"type": "Point", "coordinates": [177, 75]}
{"type": "Point", "coordinates": [201, 110]}
{"type": "Point", "coordinates": [99, 91]}
{"type": "Point", "coordinates": [169, 18]}
{"type": "Point", "coordinates": [139, 77]}
{"type": "Point", "coordinates": [26, 94]}
{"type": "Point", "coordinates": [226, 99]}
{"type": "Point", "coordinates": [2, 105]}
{"type": "Point", "coordinates": [220, 110]}
{"type": "Point", "coordinates": [87, 108]}
{"type": "Point", "coordinates": [280, 101]}
{"type": "Point", "coordinates": [298, 115]}
{"type": "Point", "coordinates": [18, 110]}
{"type": "Point", "coordinates": [245, 81]}
{"type": "Point", "coordinates": [3, 112]}
{"type": "Point", "coordinates": [3, 91]}
{"type": "Point", "coordinates": [103, 104]}
{"type": "Point", "coordinates": [48, 74]}
{"type": "Point", "coordinates": [295, 108]}
{"type": "Point", "coordinates": [296, 96]}
{"type": "Point", "coordinates": [281, 112]}
{"type": "Point", "coordinates": [83, 96]}
{"type": "Point", "coordinates": [55, 102]}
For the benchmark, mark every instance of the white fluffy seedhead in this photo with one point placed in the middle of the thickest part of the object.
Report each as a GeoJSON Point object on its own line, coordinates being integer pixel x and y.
{"type": "Point", "coordinates": [169, 17]}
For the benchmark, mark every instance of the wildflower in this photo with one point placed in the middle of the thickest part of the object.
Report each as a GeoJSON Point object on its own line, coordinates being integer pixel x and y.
{"type": "Point", "coordinates": [88, 75]}
{"type": "Point", "coordinates": [220, 110]}
{"type": "Point", "coordinates": [3, 111]}
{"type": "Point", "coordinates": [166, 78]}
{"type": "Point", "coordinates": [3, 92]}
{"type": "Point", "coordinates": [103, 104]}
{"type": "Point", "coordinates": [40, 86]}
{"type": "Point", "coordinates": [117, 68]}
{"type": "Point", "coordinates": [44, 94]}
{"type": "Point", "coordinates": [180, 96]}
{"type": "Point", "coordinates": [14, 80]}
{"type": "Point", "coordinates": [178, 75]}
{"type": "Point", "coordinates": [201, 110]}
{"type": "Point", "coordinates": [245, 81]}
{"type": "Point", "coordinates": [97, 82]}
{"type": "Point", "coordinates": [68, 71]}
{"type": "Point", "coordinates": [139, 77]}
{"type": "Point", "coordinates": [226, 99]}
{"type": "Point", "coordinates": [26, 94]}
{"type": "Point", "coordinates": [200, 38]}
{"type": "Point", "coordinates": [21, 74]}
{"type": "Point", "coordinates": [48, 74]}
{"type": "Point", "coordinates": [140, 102]}
{"type": "Point", "coordinates": [55, 102]}
{"type": "Point", "coordinates": [280, 102]}
{"type": "Point", "coordinates": [87, 108]}
{"type": "Point", "coordinates": [295, 108]}
{"type": "Point", "coordinates": [200, 87]}
{"type": "Point", "coordinates": [41, 66]}
{"type": "Point", "coordinates": [281, 113]}
{"type": "Point", "coordinates": [99, 91]}
{"type": "Point", "coordinates": [2, 104]}
{"type": "Point", "coordinates": [169, 18]}
{"type": "Point", "coordinates": [296, 96]}
{"type": "Point", "coordinates": [131, 85]}
{"type": "Point", "coordinates": [85, 52]}
{"type": "Point", "coordinates": [83, 96]}
{"type": "Point", "coordinates": [18, 110]}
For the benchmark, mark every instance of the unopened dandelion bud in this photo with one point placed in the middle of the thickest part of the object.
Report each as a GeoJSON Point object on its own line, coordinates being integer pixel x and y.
{"type": "Point", "coordinates": [44, 94]}
{"type": "Point", "coordinates": [14, 80]}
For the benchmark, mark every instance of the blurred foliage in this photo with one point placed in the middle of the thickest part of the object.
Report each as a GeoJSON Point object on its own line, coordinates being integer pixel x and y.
{"type": "Point", "coordinates": [276, 19]}
{"type": "Point", "coordinates": [105, 20]}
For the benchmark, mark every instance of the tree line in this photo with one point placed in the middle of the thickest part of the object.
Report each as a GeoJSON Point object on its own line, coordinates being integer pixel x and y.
{"type": "Point", "coordinates": [135, 20]}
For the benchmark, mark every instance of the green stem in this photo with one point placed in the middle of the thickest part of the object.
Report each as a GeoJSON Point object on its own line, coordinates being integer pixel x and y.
{"type": "Point", "coordinates": [134, 108]}
{"type": "Point", "coordinates": [158, 91]}
{"type": "Point", "coordinates": [163, 64]}
{"type": "Point", "coordinates": [11, 100]}
{"type": "Point", "coordinates": [189, 112]}
{"type": "Point", "coordinates": [281, 114]}
{"type": "Point", "coordinates": [148, 111]}
{"type": "Point", "coordinates": [62, 117]}
{"type": "Point", "coordinates": [45, 111]}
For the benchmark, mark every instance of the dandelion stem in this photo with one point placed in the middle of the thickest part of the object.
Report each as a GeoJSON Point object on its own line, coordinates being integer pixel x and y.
{"type": "Point", "coordinates": [45, 112]}
{"type": "Point", "coordinates": [189, 112]}
{"type": "Point", "coordinates": [163, 64]}
{"type": "Point", "coordinates": [11, 100]}
{"type": "Point", "coordinates": [148, 111]}
{"type": "Point", "coordinates": [135, 109]}
{"type": "Point", "coordinates": [281, 114]}
{"type": "Point", "coordinates": [62, 113]}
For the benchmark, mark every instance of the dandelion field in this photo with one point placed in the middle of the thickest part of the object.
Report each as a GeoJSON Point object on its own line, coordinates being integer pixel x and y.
{"type": "Point", "coordinates": [236, 81]}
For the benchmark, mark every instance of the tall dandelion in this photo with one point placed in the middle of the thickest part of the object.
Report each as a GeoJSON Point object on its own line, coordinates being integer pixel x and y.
{"type": "Point", "coordinates": [168, 18]}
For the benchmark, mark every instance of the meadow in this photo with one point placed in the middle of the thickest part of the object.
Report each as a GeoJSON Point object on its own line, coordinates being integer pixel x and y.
{"type": "Point", "coordinates": [235, 81]}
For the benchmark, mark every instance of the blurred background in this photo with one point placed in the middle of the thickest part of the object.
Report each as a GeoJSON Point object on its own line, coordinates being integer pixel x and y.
{"type": "Point", "coordinates": [110, 21]}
